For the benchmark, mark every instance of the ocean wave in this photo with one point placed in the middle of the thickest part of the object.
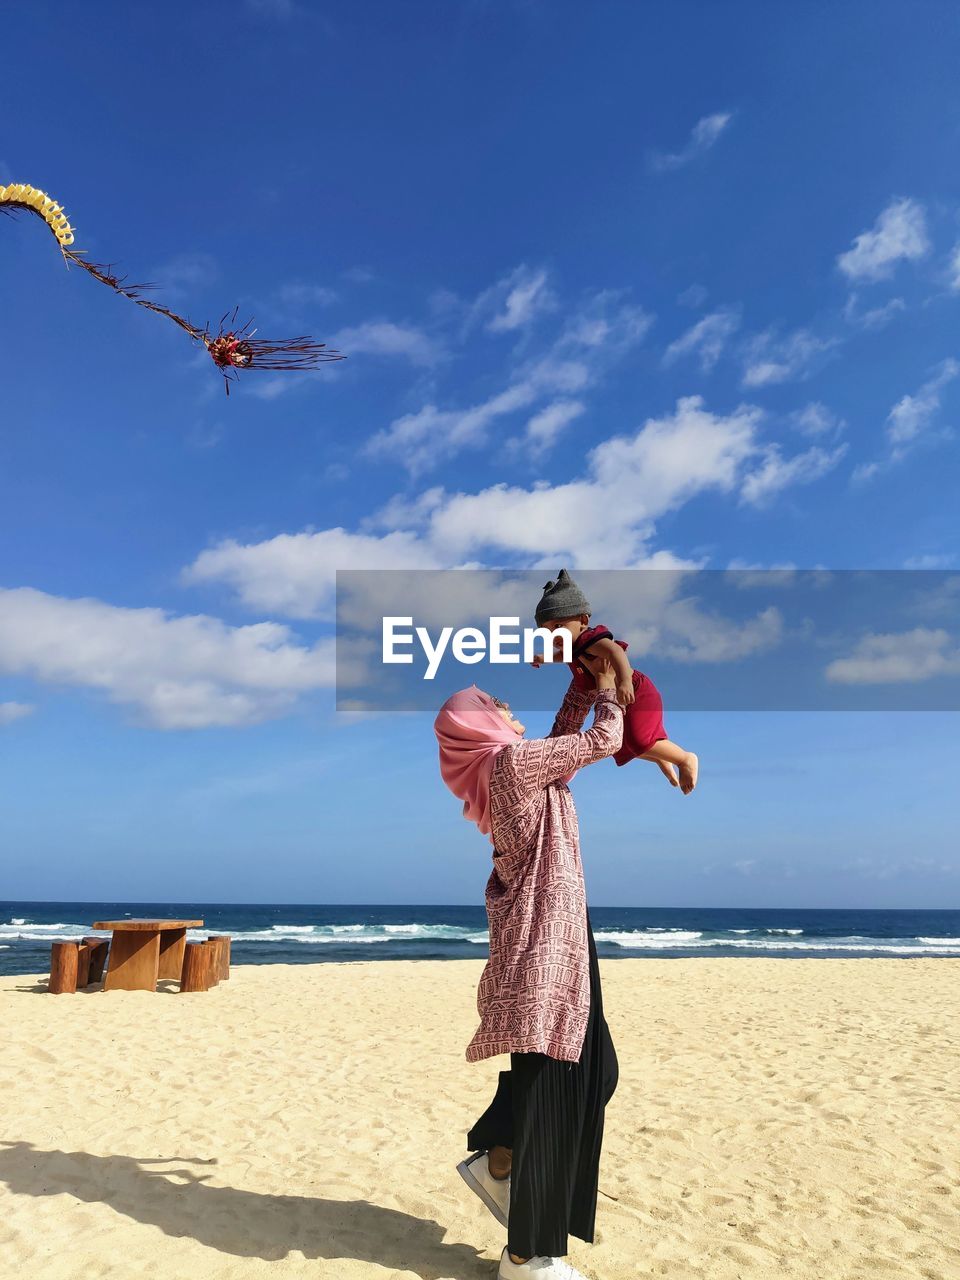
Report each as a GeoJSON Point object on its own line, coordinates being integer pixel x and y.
{"type": "Point", "coordinates": [43, 932]}
{"type": "Point", "coordinates": [362, 934]}
{"type": "Point", "coordinates": [16, 925]}
{"type": "Point", "coordinates": [654, 939]}
{"type": "Point", "coordinates": [642, 941]}
{"type": "Point", "coordinates": [647, 937]}
{"type": "Point", "coordinates": [759, 930]}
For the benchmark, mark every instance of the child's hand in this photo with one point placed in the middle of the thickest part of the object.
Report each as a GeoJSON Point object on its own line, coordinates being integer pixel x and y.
{"type": "Point", "coordinates": [625, 693]}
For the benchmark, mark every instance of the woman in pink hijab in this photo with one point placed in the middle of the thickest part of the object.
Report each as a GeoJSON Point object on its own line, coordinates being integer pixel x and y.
{"type": "Point", "coordinates": [537, 1146]}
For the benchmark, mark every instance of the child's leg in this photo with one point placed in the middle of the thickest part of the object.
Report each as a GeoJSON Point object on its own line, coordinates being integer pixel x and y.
{"type": "Point", "coordinates": [668, 754]}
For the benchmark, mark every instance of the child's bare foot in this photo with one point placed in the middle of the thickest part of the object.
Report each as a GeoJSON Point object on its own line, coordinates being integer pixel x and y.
{"type": "Point", "coordinates": [669, 772]}
{"type": "Point", "coordinates": [689, 768]}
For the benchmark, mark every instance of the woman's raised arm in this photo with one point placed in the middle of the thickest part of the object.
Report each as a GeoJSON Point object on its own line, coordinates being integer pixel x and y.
{"type": "Point", "coordinates": [544, 760]}
{"type": "Point", "coordinates": [577, 701]}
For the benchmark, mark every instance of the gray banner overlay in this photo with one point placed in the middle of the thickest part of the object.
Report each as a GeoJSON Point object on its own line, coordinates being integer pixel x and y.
{"type": "Point", "coordinates": [711, 640]}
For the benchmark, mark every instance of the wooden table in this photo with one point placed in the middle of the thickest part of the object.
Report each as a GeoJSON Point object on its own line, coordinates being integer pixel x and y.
{"type": "Point", "coordinates": [143, 951]}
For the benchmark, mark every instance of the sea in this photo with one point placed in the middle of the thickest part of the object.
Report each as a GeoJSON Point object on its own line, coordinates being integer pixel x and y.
{"type": "Point", "coordinates": [298, 934]}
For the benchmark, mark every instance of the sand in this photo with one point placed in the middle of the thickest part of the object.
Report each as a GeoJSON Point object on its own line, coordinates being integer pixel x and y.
{"type": "Point", "coordinates": [775, 1118]}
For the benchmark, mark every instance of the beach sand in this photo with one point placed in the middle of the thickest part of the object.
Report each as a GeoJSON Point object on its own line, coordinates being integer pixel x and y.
{"type": "Point", "coordinates": [775, 1118]}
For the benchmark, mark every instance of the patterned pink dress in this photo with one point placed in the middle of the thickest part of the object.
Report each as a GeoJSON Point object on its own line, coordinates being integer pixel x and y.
{"type": "Point", "coordinates": [534, 992]}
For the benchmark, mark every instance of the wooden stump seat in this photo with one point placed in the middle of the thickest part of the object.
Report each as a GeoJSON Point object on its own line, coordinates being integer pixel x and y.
{"type": "Point", "coordinates": [98, 947]}
{"type": "Point", "coordinates": [196, 967]}
{"type": "Point", "coordinates": [64, 966]}
{"type": "Point", "coordinates": [206, 963]}
{"type": "Point", "coordinates": [74, 965]}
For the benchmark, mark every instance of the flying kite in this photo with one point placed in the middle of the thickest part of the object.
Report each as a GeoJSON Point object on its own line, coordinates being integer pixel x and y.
{"type": "Point", "coordinates": [230, 349]}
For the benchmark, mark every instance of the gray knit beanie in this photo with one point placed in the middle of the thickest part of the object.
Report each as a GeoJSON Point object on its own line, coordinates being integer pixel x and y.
{"type": "Point", "coordinates": [562, 599]}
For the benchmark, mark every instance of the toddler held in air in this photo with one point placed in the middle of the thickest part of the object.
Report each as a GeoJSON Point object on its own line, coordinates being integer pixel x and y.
{"type": "Point", "coordinates": [563, 605]}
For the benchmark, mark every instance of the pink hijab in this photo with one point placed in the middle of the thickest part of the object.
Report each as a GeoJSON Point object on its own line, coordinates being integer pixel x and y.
{"type": "Point", "coordinates": [471, 733]}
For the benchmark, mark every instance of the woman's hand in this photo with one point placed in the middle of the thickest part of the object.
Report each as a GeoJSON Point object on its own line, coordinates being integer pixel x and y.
{"type": "Point", "coordinates": [605, 673]}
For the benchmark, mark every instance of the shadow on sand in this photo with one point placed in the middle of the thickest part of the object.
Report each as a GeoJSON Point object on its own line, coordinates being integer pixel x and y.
{"type": "Point", "coordinates": [182, 1203]}
{"type": "Point", "coordinates": [165, 986]}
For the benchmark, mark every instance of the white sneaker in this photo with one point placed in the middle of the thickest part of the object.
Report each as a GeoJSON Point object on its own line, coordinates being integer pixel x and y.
{"type": "Point", "coordinates": [494, 1192]}
{"type": "Point", "coordinates": [537, 1269]}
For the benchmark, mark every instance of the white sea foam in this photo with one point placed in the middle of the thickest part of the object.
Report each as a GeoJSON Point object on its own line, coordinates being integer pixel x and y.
{"type": "Point", "coordinates": [16, 929]}
{"type": "Point", "coordinates": [647, 938]}
{"type": "Point", "coordinates": [654, 939]}
{"type": "Point", "coordinates": [333, 934]}
{"type": "Point", "coordinates": [74, 936]}
{"type": "Point", "coordinates": [689, 940]}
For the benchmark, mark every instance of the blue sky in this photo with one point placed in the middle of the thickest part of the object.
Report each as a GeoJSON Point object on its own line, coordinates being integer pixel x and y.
{"type": "Point", "coordinates": [629, 286]}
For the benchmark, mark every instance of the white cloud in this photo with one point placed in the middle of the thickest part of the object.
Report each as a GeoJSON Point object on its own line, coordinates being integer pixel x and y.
{"type": "Point", "coordinates": [690, 634]}
{"type": "Point", "coordinates": [510, 305]}
{"type": "Point", "coordinates": [911, 415]}
{"type": "Point", "coordinates": [695, 295]}
{"type": "Point", "coordinates": [875, 317]}
{"type": "Point", "coordinates": [910, 419]}
{"type": "Point", "coordinates": [955, 269]}
{"type": "Point", "coordinates": [930, 560]}
{"type": "Point", "coordinates": [603, 331]}
{"type": "Point", "coordinates": [899, 234]}
{"type": "Point", "coordinates": [705, 133]}
{"type": "Point", "coordinates": [706, 339]}
{"type": "Point", "coordinates": [528, 295]}
{"type": "Point", "coordinates": [384, 338]}
{"type": "Point", "coordinates": [770, 359]}
{"type": "Point", "coordinates": [10, 711]}
{"type": "Point", "coordinates": [295, 574]}
{"type": "Point", "coordinates": [776, 472]}
{"type": "Point", "coordinates": [544, 427]}
{"type": "Point", "coordinates": [177, 672]}
{"type": "Point", "coordinates": [815, 419]}
{"type": "Point", "coordinates": [864, 472]}
{"type": "Point", "coordinates": [907, 657]}
{"type": "Point", "coordinates": [745, 574]}
{"type": "Point", "coordinates": [607, 516]}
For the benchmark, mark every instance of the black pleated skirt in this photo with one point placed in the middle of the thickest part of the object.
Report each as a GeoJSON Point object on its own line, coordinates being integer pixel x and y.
{"type": "Point", "coordinates": [550, 1114]}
